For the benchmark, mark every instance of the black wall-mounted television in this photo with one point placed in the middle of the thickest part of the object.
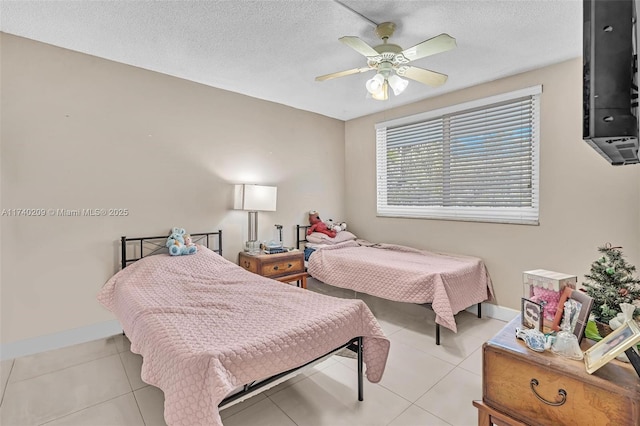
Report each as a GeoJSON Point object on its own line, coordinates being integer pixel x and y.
{"type": "Point", "coordinates": [610, 90]}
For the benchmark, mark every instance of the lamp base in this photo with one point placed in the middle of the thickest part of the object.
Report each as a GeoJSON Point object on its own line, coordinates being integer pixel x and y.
{"type": "Point", "coordinates": [252, 247]}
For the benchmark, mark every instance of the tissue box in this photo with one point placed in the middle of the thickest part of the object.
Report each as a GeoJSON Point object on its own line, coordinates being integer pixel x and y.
{"type": "Point", "coordinates": [549, 280]}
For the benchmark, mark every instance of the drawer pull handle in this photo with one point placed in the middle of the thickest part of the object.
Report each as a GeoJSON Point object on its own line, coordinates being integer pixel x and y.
{"type": "Point", "coordinates": [289, 265]}
{"type": "Point", "coordinates": [275, 268]}
{"type": "Point", "coordinates": [561, 392]}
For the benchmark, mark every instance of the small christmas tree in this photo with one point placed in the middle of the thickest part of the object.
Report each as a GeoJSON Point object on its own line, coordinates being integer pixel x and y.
{"type": "Point", "coordinates": [611, 283]}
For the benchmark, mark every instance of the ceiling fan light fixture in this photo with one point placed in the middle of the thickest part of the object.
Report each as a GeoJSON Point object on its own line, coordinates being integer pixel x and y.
{"type": "Point", "coordinates": [397, 84]}
{"type": "Point", "coordinates": [375, 84]}
{"type": "Point", "coordinates": [383, 93]}
{"type": "Point", "coordinates": [390, 62]}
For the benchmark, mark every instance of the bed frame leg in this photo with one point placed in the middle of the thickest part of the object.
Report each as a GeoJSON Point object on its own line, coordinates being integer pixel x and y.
{"type": "Point", "coordinates": [437, 334]}
{"type": "Point", "coordinates": [360, 378]}
{"type": "Point", "coordinates": [479, 310]}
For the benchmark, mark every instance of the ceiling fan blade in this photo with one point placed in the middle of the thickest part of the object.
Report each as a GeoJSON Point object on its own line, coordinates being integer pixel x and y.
{"type": "Point", "coordinates": [437, 44]}
{"type": "Point", "coordinates": [427, 77]}
{"type": "Point", "coordinates": [359, 46]}
{"type": "Point", "coordinates": [342, 73]}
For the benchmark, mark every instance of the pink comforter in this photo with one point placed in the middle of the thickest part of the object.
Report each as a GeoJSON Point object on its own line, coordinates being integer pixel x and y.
{"type": "Point", "coordinates": [205, 326]}
{"type": "Point", "coordinates": [450, 283]}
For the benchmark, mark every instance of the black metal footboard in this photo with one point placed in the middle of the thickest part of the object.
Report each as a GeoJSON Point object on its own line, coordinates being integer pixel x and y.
{"type": "Point", "coordinates": [354, 345]}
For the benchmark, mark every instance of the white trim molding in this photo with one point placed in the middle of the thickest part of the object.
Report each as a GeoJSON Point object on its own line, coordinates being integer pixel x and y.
{"type": "Point", "coordinates": [495, 311]}
{"type": "Point", "coordinates": [59, 340]}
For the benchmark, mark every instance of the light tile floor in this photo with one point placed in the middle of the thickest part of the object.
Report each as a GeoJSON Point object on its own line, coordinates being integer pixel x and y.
{"type": "Point", "coordinates": [98, 383]}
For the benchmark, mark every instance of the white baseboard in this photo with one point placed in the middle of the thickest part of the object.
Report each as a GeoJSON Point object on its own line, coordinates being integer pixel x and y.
{"type": "Point", "coordinates": [495, 311]}
{"type": "Point", "coordinates": [59, 340]}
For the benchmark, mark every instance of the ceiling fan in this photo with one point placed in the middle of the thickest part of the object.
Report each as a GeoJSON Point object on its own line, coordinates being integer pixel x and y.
{"type": "Point", "coordinates": [390, 62]}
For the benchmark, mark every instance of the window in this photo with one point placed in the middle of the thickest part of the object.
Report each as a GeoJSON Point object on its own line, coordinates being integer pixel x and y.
{"type": "Point", "coordinates": [476, 161]}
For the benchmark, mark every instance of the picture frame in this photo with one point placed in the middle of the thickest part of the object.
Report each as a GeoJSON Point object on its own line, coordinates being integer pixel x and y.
{"type": "Point", "coordinates": [564, 296]}
{"type": "Point", "coordinates": [531, 314]}
{"type": "Point", "coordinates": [611, 346]}
{"type": "Point", "coordinates": [584, 303]}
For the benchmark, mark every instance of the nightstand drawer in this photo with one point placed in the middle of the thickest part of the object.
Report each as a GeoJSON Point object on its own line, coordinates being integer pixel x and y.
{"type": "Point", "coordinates": [282, 267]}
{"type": "Point", "coordinates": [273, 265]}
{"type": "Point", "coordinates": [509, 388]}
{"type": "Point", "coordinates": [250, 263]}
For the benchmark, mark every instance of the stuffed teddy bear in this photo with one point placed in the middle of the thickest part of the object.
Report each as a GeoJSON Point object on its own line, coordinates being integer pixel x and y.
{"type": "Point", "coordinates": [191, 247]}
{"type": "Point", "coordinates": [332, 226]}
{"type": "Point", "coordinates": [317, 225]}
{"type": "Point", "coordinates": [335, 226]}
{"type": "Point", "coordinates": [176, 243]}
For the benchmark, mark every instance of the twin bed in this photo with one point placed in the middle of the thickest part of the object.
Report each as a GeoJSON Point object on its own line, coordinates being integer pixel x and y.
{"type": "Point", "coordinates": [211, 333]}
{"type": "Point", "coordinates": [446, 283]}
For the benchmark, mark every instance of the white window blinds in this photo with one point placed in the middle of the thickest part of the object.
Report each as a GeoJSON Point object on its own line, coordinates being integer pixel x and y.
{"type": "Point", "coordinates": [475, 161]}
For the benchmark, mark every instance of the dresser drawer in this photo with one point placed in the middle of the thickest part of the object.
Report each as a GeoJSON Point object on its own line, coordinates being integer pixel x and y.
{"type": "Point", "coordinates": [282, 267]}
{"type": "Point", "coordinates": [273, 265]}
{"type": "Point", "coordinates": [510, 384]}
{"type": "Point", "coordinates": [250, 263]}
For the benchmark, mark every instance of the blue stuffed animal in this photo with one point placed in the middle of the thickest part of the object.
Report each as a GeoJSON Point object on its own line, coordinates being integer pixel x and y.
{"type": "Point", "coordinates": [177, 244]}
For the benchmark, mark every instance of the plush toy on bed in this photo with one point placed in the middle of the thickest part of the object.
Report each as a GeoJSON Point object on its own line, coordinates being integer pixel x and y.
{"type": "Point", "coordinates": [178, 244]}
{"type": "Point", "coordinates": [335, 226]}
{"type": "Point", "coordinates": [191, 247]}
{"type": "Point", "coordinates": [317, 225]}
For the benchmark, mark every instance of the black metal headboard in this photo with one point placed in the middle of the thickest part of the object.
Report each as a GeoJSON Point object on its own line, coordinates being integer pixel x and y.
{"type": "Point", "coordinates": [147, 246]}
{"type": "Point", "coordinates": [304, 234]}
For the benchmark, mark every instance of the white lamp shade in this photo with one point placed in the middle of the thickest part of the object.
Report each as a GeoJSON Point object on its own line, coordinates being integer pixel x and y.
{"type": "Point", "coordinates": [397, 84]}
{"type": "Point", "coordinates": [375, 84]}
{"type": "Point", "coordinates": [382, 94]}
{"type": "Point", "coordinates": [255, 198]}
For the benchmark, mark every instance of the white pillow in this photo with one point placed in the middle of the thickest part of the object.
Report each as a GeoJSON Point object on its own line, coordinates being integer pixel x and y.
{"type": "Point", "coordinates": [320, 238]}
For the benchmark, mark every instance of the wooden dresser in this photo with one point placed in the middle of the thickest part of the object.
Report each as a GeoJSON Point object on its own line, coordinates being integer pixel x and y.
{"type": "Point", "coordinates": [521, 386]}
{"type": "Point", "coordinates": [285, 267]}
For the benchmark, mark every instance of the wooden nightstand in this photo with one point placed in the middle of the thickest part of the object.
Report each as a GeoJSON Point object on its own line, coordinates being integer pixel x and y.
{"type": "Point", "coordinates": [284, 267]}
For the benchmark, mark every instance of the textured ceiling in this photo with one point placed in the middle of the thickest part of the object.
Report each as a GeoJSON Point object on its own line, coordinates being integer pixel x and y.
{"type": "Point", "coordinates": [273, 50]}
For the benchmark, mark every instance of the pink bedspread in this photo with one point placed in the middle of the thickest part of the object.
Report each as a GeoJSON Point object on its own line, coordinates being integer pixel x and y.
{"type": "Point", "coordinates": [205, 326]}
{"type": "Point", "coordinates": [450, 283]}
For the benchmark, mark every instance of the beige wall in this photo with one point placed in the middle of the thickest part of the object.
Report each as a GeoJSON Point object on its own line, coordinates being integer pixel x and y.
{"type": "Point", "coordinates": [82, 132]}
{"type": "Point", "coordinates": [584, 201]}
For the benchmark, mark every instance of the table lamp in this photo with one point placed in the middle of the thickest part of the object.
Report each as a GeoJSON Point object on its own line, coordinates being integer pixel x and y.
{"type": "Point", "coordinates": [254, 198]}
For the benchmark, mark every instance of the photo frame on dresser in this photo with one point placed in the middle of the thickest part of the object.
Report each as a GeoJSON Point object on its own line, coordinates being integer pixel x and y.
{"type": "Point", "coordinates": [584, 303]}
{"type": "Point", "coordinates": [532, 314]}
{"type": "Point", "coordinates": [581, 304]}
{"type": "Point", "coordinates": [564, 296]}
{"type": "Point", "coordinates": [620, 339]}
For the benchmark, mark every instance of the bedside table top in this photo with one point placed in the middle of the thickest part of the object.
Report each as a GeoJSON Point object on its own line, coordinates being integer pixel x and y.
{"type": "Point", "coordinates": [274, 255]}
